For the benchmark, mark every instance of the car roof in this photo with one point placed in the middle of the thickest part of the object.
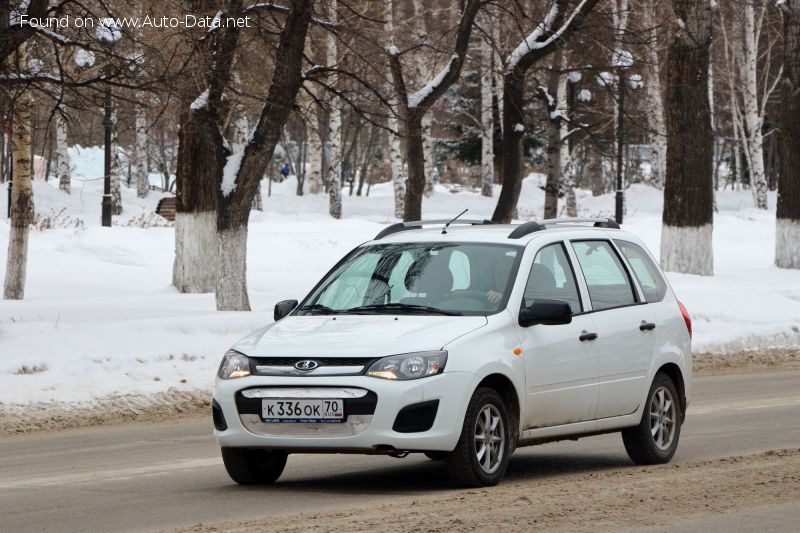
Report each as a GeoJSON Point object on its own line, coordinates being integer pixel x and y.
{"type": "Point", "coordinates": [499, 234]}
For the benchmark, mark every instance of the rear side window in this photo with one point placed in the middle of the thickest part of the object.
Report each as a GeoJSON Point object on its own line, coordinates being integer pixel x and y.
{"type": "Point", "coordinates": [552, 278]}
{"type": "Point", "coordinates": [646, 272]}
{"type": "Point", "coordinates": [606, 278]}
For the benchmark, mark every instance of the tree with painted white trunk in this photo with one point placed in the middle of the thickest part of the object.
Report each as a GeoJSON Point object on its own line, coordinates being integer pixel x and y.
{"type": "Point", "coordinates": [686, 244]}
{"type": "Point", "coordinates": [62, 153]}
{"type": "Point", "coordinates": [21, 193]}
{"type": "Point", "coordinates": [201, 157]}
{"type": "Point", "coordinates": [413, 106]}
{"type": "Point", "coordinates": [787, 231]}
{"type": "Point", "coordinates": [244, 168]}
{"type": "Point", "coordinates": [562, 18]}
{"type": "Point", "coordinates": [334, 173]}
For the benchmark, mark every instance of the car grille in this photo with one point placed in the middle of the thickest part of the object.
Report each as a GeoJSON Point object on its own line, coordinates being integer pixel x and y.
{"type": "Point", "coordinates": [327, 366]}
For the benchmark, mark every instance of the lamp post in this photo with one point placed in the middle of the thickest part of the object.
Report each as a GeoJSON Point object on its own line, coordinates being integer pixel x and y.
{"type": "Point", "coordinates": [107, 33]}
{"type": "Point", "coordinates": [622, 60]}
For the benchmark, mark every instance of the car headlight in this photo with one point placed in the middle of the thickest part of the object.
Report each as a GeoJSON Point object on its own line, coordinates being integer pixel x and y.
{"type": "Point", "coordinates": [234, 365]}
{"type": "Point", "coordinates": [409, 365]}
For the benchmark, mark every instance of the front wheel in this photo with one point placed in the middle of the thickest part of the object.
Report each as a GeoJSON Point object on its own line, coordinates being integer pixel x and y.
{"type": "Point", "coordinates": [481, 455]}
{"type": "Point", "coordinates": [655, 439]}
{"type": "Point", "coordinates": [253, 466]}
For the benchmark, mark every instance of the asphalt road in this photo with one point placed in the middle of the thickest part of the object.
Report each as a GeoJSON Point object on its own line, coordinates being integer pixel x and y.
{"type": "Point", "coordinates": [157, 476]}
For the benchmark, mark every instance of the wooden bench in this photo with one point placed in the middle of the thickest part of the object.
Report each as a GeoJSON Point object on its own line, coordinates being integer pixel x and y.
{"type": "Point", "coordinates": [166, 207]}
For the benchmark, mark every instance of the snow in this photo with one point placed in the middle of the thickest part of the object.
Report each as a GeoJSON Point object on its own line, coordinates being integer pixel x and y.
{"type": "Point", "coordinates": [393, 51]}
{"type": "Point", "coordinates": [519, 128]}
{"type": "Point", "coordinates": [585, 95]}
{"type": "Point", "coordinates": [101, 315]}
{"type": "Point", "coordinates": [416, 98]}
{"type": "Point", "coordinates": [574, 76]}
{"type": "Point", "coordinates": [107, 31]}
{"type": "Point", "coordinates": [230, 172]}
{"type": "Point", "coordinates": [84, 58]}
{"type": "Point", "coordinates": [635, 82]}
{"type": "Point", "coordinates": [621, 59]}
{"type": "Point", "coordinates": [605, 79]}
{"type": "Point", "coordinates": [200, 102]}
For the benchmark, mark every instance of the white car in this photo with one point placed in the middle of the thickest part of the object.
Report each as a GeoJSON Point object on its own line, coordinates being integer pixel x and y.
{"type": "Point", "coordinates": [464, 342]}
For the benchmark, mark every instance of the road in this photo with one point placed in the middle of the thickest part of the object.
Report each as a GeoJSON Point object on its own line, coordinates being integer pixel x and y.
{"type": "Point", "coordinates": [158, 476]}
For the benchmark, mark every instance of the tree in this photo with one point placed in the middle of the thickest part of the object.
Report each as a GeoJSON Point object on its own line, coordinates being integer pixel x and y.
{"type": "Point", "coordinates": [245, 167]}
{"type": "Point", "coordinates": [334, 172]}
{"type": "Point", "coordinates": [62, 156]}
{"type": "Point", "coordinates": [396, 162]}
{"type": "Point", "coordinates": [686, 244]}
{"type": "Point", "coordinates": [22, 192]}
{"type": "Point", "coordinates": [548, 36]}
{"type": "Point", "coordinates": [487, 113]}
{"type": "Point", "coordinates": [787, 232]}
{"type": "Point", "coordinates": [413, 107]}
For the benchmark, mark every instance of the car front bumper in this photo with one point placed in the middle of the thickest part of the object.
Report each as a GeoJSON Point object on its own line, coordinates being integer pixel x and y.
{"type": "Point", "coordinates": [362, 432]}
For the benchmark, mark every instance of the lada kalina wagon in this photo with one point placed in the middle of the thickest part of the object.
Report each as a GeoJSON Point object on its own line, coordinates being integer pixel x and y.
{"type": "Point", "coordinates": [464, 342]}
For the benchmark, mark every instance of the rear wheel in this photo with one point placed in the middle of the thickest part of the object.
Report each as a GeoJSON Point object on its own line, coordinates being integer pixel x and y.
{"type": "Point", "coordinates": [481, 455]}
{"type": "Point", "coordinates": [656, 437]}
{"type": "Point", "coordinates": [252, 466]}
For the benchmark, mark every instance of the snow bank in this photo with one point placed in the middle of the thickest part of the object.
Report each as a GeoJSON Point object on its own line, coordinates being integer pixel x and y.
{"type": "Point", "coordinates": [101, 319]}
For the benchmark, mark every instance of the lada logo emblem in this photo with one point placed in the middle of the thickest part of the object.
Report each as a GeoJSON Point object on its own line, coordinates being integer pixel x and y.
{"type": "Point", "coordinates": [306, 365]}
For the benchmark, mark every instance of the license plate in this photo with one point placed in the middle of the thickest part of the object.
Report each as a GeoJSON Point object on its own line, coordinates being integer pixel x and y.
{"type": "Point", "coordinates": [330, 410]}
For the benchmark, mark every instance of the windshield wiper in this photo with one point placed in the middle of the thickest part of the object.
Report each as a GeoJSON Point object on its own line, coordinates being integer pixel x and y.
{"type": "Point", "coordinates": [322, 309]}
{"type": "Point", "coordinates": [402, 307]}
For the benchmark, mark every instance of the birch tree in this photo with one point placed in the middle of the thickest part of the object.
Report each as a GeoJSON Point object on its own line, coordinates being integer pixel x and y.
{"type": "Point", "coordinates": [563, 17]}
{"type": "Point", "coordinates": [21, 193]}
{"type": "Point", "coordinates": [686, 244]}
{"type": "Point", "coordinates": [116, 167]}
{"type": "Point", "coordinates": [787, 231]}
{"type": "Point", "coordinates": [396, 162]}
{"type": "Point", "coordinates": [334, 172]}
{"type": "Point", "coordinates": [62, 154]}
{"type": "Point", "coordinates": [655, 102]}
{"type": "Point", "coordinates": [487, 114]}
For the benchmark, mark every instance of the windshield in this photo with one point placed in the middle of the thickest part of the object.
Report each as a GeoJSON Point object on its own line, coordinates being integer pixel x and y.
{"type": "Point", "coordinates": [418, 278]}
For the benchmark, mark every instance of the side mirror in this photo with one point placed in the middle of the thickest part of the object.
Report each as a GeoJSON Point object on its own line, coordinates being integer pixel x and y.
{"type": "Point", "coordinates": [284, 308]}
{"type": "Point", "coordinates": [548, 312]}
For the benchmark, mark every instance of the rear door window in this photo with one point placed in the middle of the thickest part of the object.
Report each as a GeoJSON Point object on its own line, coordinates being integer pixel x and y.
{"type": "Point", "coordinates": [606, 278]}
{"type": "Point", "coordinates": [650, 279]}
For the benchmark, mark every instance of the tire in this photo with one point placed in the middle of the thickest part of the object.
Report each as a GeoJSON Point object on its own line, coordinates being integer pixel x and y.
{"type": "Point", "coordinates": [253, 466]}
{"type": "Point", "coordinates": [655, 439]}
{"type": "Point", "coordinates": [463, 463]}
{"type": "Point", "coordinates": [436, 456]}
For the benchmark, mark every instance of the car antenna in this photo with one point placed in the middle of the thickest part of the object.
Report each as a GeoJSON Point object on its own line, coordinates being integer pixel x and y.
{"type": "Point", "coordinates": [444, 229]}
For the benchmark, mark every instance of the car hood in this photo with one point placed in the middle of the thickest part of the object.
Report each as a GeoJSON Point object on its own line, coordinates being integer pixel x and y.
{"type": "Point", "coordinates": [356, 335]}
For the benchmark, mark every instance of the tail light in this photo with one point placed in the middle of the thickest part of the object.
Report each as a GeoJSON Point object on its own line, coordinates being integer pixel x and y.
{"type": "Point", "coordinates": [686, 318]}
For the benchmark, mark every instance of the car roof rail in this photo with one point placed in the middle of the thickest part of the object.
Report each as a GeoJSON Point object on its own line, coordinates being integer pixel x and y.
{"type": "Point", "coordinates": [530, 227]}
{"type": "Point", "coordinates": [525, 229]}
{"type": "Point", "coordinates": [418, 224]}
{"type": "Point", "coordinates": [608, 223]}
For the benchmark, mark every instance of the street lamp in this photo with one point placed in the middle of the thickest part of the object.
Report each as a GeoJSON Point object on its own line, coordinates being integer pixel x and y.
{"type": "Point", "coordinates": [107, 33]}
{"type": "Point", "coordinates": [621, 60]}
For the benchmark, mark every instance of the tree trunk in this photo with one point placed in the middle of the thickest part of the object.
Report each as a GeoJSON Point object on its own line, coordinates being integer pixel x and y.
{"type": "Point", "coordinates": [487, 118]}
{"type": "Point", "coordinates": [395, 147]}
{"type": "Point", "coordinates": [140, 151]}
{"type": "Point", "coordinates": [787, 234]}
{"type": "Point", "coordinates": [334, 130]}
{"type": "Point", "coordinates": [116, 167]}
{"type": "Point", "coordinates": [554, 162]}
{"type": "Point", "coordinates": [511, 149]}
{"type": "Point", "coordinates": [752, 116]}
{"type": "Point", "coordinates": [658, 139]}
{"type": "Point", "coordinates": [21, 196]}
{"type": "Point", "coordinates": [243, 170]}
{"type": "Point", "coordinates": [427, 148]}
{"type": "Point", "coordinates": [314, 176]}
{"type": "Point", "coordinates": [412, 210]}
{"type": "Point", "coordinates": [62, 155]}
{"type": "Point", "coordinates": [686, 244]}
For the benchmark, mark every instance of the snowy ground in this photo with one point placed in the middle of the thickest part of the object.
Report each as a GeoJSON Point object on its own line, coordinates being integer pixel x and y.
{"type": "Point", "coordinates": [100, 317]}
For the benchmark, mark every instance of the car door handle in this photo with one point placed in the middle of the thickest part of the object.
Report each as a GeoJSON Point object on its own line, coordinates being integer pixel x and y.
{"type": "Point", "coordinates": [647, 326]}
{"type": "Point", "coordinates": [586, 336]}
